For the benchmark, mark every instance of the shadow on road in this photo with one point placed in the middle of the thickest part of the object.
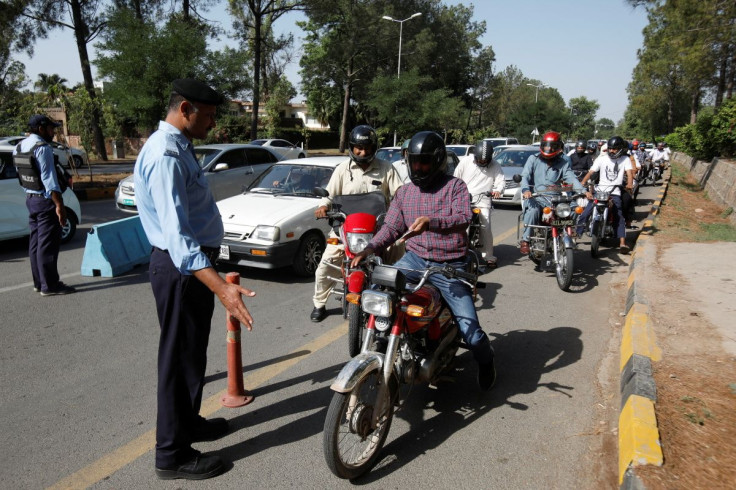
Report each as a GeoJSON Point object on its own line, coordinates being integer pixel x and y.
{"type": "Point", "coordinates": [523, 356]}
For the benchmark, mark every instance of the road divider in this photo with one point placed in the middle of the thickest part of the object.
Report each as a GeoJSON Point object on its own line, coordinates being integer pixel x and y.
{"type": "Point", "coordinates": [115, 247]}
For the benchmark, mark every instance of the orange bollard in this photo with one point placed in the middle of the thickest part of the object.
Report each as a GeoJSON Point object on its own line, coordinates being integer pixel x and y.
{"type": "Point", "coordinates": [236, 395]}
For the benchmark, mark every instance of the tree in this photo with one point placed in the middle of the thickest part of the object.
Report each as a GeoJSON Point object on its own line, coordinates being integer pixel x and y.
{"type": "Point", "coordinates": [37, 17]}
{"type": "Point", "coordinates": [253, 19]}
{"type": "Point", "coordinates": [283, 91]}
{"type": "Point", "coordinates": [582, 117]}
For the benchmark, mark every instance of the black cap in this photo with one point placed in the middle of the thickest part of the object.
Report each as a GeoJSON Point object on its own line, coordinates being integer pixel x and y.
{"type": "Point", "coordinates": [38, 120]}
{"type": "Point", "coordinates": [196, 91]}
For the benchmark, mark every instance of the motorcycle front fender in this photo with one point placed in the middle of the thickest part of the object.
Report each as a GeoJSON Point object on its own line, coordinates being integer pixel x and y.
{"type": "Point", "coordinates": [357, 368]}
{"type": "Point", "coordinates": [568, 241]}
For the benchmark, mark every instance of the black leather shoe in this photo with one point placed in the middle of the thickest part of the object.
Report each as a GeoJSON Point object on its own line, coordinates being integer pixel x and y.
{"type": "Point", "coordinates": [210, 430]}
{"type": "Point", "coordinates": [486, 375]}
{"type": "Point", "coordinates": [200, 467]}
{"type": "Point", "coordinates": [318, 314]}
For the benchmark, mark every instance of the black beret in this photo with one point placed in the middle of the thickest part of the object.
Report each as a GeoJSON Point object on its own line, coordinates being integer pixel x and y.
{"type": "Point", "coordinates": [196, 91]}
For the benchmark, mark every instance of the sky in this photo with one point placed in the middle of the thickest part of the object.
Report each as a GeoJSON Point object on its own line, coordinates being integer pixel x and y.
{"type": "Point", "coordinates": [580, 47]}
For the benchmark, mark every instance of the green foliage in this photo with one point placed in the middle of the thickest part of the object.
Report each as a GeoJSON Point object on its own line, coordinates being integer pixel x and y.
{"type": "Point", "coordinates": [80, 109]}
{"type": "Point", "coordinates": [714, 134]}
{"type": "Point", "coordinates": [229, 129]}
{"type": "Point", "coordinates": [723, 129]}
{"type": "Point", "coordinates": [141, 59]}
{"type": "Point", "coordinates": [280, 95]}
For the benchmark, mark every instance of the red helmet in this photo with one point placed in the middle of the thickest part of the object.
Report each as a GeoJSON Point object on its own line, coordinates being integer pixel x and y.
{"type": "Point", "coordinates": [635, 144]}
{"type": "Point", "coordinates": [551, 145]}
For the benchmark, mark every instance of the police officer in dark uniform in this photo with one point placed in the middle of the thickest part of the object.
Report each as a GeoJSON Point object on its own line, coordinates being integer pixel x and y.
{"type": "Point", "coordinates": [46, 211]}
{"type": "Point", "coordinates": [183, 224]}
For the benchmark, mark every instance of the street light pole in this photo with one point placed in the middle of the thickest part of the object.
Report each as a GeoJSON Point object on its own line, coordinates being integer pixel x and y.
{"type": "Point", "coordinates": [401, 32]}
{"type": "Point", "coordinates": [536, 94]}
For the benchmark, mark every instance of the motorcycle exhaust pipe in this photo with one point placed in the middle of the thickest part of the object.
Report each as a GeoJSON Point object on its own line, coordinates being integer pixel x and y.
{"type": "Point", "coordinates": [428, 367]}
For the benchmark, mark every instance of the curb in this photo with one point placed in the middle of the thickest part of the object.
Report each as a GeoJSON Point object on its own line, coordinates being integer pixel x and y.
{"type": "Point", "coordinates": [95, 193]}
{"type": "Point", "coordinates": [638, 435]}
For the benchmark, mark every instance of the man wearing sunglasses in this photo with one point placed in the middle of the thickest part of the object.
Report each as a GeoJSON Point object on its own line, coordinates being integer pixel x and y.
{"type": "Point", "coordinates": [549, 167]}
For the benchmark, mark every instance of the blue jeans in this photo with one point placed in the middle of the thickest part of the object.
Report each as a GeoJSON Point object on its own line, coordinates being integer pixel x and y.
{"type": "Point", "coordinates": [458, 297]}
{"type": "Point", "coordinates": [532, 215]}
{"type": "Point", "coordinates": [619, 223]}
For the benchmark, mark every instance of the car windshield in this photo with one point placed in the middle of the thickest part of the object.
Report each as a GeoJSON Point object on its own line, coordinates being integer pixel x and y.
{"type": "Point", "coordinates": [514, 158]}
{"type": "Point", "coordinates": [389, 154]}
{"type": "Point", "coordinates": [205, 155]}
{"type": "Point", "coordinates": [292, 179]}
{"type": "Point", "coordinates": [258, 142]}
{"type": "Point", "coordinates": [458, 150]}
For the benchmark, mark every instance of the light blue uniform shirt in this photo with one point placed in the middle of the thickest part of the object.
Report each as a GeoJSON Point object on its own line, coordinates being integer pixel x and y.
{"type": "Point", "coordinates": [45, 158]}
{"type": "Point", "coordinates": [536, 172]}
{"type": "Point", "coordinates": [176, 207]}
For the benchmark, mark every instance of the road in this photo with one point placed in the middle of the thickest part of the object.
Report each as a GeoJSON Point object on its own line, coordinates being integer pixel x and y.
{"type": "Point", "coordinates": [77, 400]}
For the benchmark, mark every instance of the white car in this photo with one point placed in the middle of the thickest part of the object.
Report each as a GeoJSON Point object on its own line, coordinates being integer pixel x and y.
{"type": "Point", "coordinates": [68, 157]}
{"type": "Point", "coordinates": [512, 160]}
{"type": "Point", "coordinates": [13, 210]}
{"type": "Point", "coordinates": [228, 168]}
{"type": "Point", "coordinates": [462, 150]}
{"type": "Point", "coordinates": [272, 224]}
{"type": "Point", "coordinates": [282, 147]}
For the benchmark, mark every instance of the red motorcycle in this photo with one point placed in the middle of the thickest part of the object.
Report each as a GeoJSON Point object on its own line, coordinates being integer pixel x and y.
{"type": "Point", "coordinates": [355, 219]}
{"type": "Point", "coordinates": [411, 337]}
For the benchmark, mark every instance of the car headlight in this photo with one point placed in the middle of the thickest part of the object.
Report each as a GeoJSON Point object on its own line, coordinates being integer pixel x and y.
{"type": "Point", "coordinates": [563, 210]}
{"type": "Point", "coordinates": [267, 233]}
{"type": "Point", "coordinates": [358, 241]}
{"type": "Point", "coordinates": [377, 303]}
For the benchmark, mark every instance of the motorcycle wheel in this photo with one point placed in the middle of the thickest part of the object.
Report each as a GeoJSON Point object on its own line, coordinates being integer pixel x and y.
{"type": "Point", "coordinates": [472, 266]}
{"type": "Point", "coordinates": [356, 324]}
{"type": "Point", "coordinates": [564, 271]}
{"type": "Point", "coordinates": [595, 238]}
{"type": "Point", "coordinates": [350, 445]}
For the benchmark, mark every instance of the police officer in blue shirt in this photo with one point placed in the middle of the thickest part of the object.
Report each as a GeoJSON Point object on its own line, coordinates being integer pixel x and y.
{"type": "Point", "coordinates": [183, 224]}
{"type": "Point", "coordinates": [46, 212]}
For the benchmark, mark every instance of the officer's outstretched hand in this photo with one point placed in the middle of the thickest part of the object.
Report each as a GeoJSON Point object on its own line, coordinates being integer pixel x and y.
{"type": "Point", "coordinates": [230, 297]}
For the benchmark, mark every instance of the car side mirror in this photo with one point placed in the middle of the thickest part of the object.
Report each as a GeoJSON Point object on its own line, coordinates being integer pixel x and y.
{"type": "Point", "coordinates": [517, 178]}
{"type": "Point", "coordinates": [220, 167]}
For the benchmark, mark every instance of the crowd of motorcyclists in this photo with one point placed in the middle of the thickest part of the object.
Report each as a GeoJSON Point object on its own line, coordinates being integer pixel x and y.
{"type": "Point", "coordinates": [440, 235]}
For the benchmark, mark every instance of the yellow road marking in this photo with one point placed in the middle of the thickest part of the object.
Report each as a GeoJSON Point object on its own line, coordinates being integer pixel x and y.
{"type": "Point", "coordinates": [126, 454]}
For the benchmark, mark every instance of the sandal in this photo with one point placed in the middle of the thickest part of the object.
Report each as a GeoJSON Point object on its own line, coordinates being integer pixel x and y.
{"type": "Point", "coordinates": [624, 249]}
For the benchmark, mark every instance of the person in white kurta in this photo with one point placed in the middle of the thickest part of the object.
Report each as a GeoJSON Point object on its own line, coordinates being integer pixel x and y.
{"type": "Point", "coordinates": [483, 174]}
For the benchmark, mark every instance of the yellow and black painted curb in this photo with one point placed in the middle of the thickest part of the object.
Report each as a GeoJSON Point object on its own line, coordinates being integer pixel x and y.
{"type": "Point", "coordinates": [638, 435]}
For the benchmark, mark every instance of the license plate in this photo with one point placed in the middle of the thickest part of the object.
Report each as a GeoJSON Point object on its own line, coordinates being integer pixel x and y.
{"type": "Point", "coordinates": [129, 202]}
{"type": "Point", "coordinates": [225, 252]}
{"type": "Point", "coordinates": [563, 222]}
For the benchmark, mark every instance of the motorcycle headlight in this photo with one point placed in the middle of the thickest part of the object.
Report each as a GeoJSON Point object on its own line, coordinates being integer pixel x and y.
{"type": "Point", "coordinates": [377, 303]}
{"type": "Point", "coordinates": [267, 233]}
{"type": "Point", "coordinates": [358, 241]}
{"type": "Point", "coordinates": [563, 210]}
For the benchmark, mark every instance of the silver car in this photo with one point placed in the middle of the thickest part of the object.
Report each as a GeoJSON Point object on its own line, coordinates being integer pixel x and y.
{"type": "Point", "coordinates": [228, 168]}
{"type": "Point", "coordinates": [512, 162]}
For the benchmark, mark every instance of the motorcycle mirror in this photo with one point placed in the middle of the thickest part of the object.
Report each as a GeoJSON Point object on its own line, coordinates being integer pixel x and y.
{"type": "Point", "coordinates": [517, 178]}
{"type": "Point", "coordinates": [321, 192]}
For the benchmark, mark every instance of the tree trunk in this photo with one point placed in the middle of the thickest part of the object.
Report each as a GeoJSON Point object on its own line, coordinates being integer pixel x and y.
{"type": "Point", "coordinates": [721, 87]}
{"type": "Point", "coordinates": [345, 111]}
{"type": "Point", "coordinates": [694, 106]}
{"type": "Point", "coordinates": [257, 18]}
{"type": "Point", "coordinates": [185, 7]}
{"type": "Point", "coordinates": [79, 34]}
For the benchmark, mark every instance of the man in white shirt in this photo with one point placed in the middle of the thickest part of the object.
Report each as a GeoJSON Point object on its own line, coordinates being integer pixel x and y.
{"type": "Point", "coordinates": [482, 174]}
{"type": "Point", "coordinates": [660, 153]}
{"type": "Point", "coordinates": [614, 166]}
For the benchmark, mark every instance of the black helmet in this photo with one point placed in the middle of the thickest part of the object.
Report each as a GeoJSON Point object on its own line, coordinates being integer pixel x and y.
{"type": "Point", "coordinates": [483, 153]}
{"type": "Point", "coordinates": [592, 146]}
{"type": "Point", "coordinates": [426, 148]}
{"type": "Point", "coordinates": [580, 146]}
{"type": "Point", "coordinates": [363, 135]}
{"type": "Point", "coordinates": [617, 147]}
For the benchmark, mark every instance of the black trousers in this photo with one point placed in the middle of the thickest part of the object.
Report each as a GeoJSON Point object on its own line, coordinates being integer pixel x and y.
{"type": "Point", "coordinates": [44, 242]}
{"type": "Point", "coordinates": [185, 307]}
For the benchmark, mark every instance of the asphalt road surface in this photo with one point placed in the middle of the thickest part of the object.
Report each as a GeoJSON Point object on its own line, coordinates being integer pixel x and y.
{"type": "Point", "coordinates": [77, 399]}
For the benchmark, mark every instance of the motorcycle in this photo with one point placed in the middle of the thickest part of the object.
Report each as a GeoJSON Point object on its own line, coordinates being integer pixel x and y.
{"type": "Point", "coordinates": [354, 229]}
{"type": "Point", "coordinates": [656, 171]}
{"type": "Point", "coordinates": [411, 337]}
{"type": "Point", "coordinates": [474, 236]}
{"type": "Point", "coordinates": [551, 242]}
{"type": "Point", "coordinates": [600, 226]}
